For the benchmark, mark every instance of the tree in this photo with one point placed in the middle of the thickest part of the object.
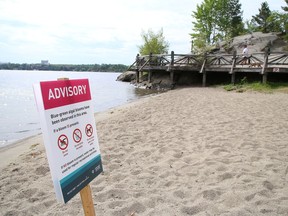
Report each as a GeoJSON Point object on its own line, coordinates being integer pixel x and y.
{"type": "Point", "coordinates": [278, 22]}
{"type": "Point", "coordinates": [235, 18]}
{"type": "Point", "coordinates": [216, 20]}
{"type": "Point", "coordinates": [153, 43]}
{"type": "Point", "coordinates": [229, 18]}
{"type": "Point", "coordinates": [251, 26]}
{"type": "Point", "coordinates": [204, 27]}
{"type": "Point", "coordinates": [262, 18]}
{"type": "Point", "coordinates": [285, 8]}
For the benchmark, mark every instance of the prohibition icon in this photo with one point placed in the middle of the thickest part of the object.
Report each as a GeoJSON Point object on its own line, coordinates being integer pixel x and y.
{"type": "Point", "coordinates": [89, 130]}
{"type": "Point", "coordinates": [63, 142]}
{"type": "Point", "coordinates": [77, 135]}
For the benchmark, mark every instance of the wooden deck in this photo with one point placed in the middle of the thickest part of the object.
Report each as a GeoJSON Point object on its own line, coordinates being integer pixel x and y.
{"type": "Point", "coordinates": [262, 63]}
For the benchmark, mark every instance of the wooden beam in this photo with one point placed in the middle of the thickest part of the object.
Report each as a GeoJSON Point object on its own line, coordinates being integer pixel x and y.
{"type": "Point", "coordinates": [203, 66]}
{"type": "Point", "coordinates": [141, 68]}
{"type": "Point", "coordinates": [204, 78]}
{"type": "Point", "coordinates": [232, 67]}
{"type": "Point", "coordinates": [149, 76]}
{"type": "Point", "coordinates": [172, 76]}
{"type": "Point", "coordinates": [264, 72]}
{"type": "Point", "coordinates": [264, 78]}
{"type": "Point", "coordinates": [137, 76]}
{"type": "Point", "coordinates": [87, 201]}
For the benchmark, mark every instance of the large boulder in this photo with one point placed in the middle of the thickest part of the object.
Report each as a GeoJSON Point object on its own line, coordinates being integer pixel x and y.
{"type": "Point", "coordinates": [256, 42]}
{"type": "Point", "coordinates": [127, 76]}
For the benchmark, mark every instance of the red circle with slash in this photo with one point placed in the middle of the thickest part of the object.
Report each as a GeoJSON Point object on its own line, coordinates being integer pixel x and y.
{"type": "Point", "coordinates": [89, 130]}
{"type": "Point", "coordinates": [63, 142]}
{"type": "Point", "coordinates": [77, 135]}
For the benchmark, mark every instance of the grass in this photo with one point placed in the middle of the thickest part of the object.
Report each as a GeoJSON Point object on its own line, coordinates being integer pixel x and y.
{"type": "Point", "coordinates": [269, 87]}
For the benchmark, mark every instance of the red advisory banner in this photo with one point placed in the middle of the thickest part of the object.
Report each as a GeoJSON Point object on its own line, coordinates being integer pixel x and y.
{"type": "Point", "coordinates": [64, 92]}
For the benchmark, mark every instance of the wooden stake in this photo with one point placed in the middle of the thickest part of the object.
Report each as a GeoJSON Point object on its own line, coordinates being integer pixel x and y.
{"type": "Point", "coordinates": [63, 78]}
{"type": "Point", "coordinates": [87, 201]}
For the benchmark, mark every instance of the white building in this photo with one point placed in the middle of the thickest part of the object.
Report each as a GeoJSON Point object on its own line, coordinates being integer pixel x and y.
{"type": "Point", "coordinates": [44, 62]}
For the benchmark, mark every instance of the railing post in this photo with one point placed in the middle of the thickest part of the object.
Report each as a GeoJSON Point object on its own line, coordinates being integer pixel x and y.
{"type": "Point", "coordinates": [137, 61]}
{"type": "Point", "coordinates": [170, 66]}
{"type": "Point", "coordinates": [172, 58]}
{"type": "Point", "coordinates": [137, 68]}
{"type": "Point", "coordinates": [263, 72]}
{"type": "Point", "coordinates": [150, 58]}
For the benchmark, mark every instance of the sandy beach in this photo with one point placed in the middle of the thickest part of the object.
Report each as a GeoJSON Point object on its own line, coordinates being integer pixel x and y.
{"type": "Point", "coordinates": [190, 151]}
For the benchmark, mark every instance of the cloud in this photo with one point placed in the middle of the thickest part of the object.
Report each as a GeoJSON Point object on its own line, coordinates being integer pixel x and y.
{"type": "Point", "coordinates": [92, 31]}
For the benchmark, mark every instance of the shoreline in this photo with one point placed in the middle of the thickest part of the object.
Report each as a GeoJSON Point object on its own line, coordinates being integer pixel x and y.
{"type": "Point", "coordinates": [25, 144]}
{"type": "Point", "coordinates": [189, 151]}
{"type": "Point", "coordinates": [7, 143]}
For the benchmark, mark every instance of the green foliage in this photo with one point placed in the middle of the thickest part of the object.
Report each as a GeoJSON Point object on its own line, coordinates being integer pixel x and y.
{"type": "Point", "coordinates": [262, 18]}
{"type": "Point", "coordinates": [204, 31]}
{"type": "Point", "coordinates": [229, 18]}
{"type": "Point", "coordinates": [216, 20]}
{"type": "Point", "coordinates": [278, 22]}
{"type": "Point", "coordinates": [153, 43]}
{"type": "Point", "coordinates": [65, 67]}
{"type": "Point", "coordinates": [285, 8]}
{"type": "Point", "coordinates": [268, 87]}
{"type": "Point", "coordinates": [251, 26]}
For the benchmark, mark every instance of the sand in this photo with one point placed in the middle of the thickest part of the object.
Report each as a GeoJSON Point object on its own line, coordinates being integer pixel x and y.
{"type": "Point", "coordinates": [190, 151]}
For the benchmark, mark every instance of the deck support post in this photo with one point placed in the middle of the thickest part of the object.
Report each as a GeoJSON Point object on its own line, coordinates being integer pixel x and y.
{"type": "Point", "coordinates": [149, 76]}
{"type": "Point", "coordinates": [204, 78]}
{"type": "Point", "coordinates": [232, 72]}
{"type": "Point", "coordinates": [137, 76]}
{"type": "Point", "coordinates": [233, 75]}
{"type": "Point", "coordinates": [137, 68]}
{"type": "Point", "coordinates": [172, 76]}
{"type": "Point", "coordinates": [264, 78]}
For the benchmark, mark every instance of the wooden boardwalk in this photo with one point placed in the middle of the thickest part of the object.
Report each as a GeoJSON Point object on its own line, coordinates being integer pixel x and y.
{"type": "Point", "coordinates": [262, 63]}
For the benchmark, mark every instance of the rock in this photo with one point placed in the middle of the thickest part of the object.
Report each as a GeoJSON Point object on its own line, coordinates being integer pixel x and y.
{"type": "Point", "coordinates": [256, 42]}
{"type": "Point", "coordinates": [127, 76]}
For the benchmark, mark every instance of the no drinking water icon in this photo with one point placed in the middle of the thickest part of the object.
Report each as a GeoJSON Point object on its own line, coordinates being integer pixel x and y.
{"type": "Point", "coordinates": [77, 135]}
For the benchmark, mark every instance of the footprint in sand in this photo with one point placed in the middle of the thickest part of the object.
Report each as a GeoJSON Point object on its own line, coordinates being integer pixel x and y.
{"type": "Point", "coordinates": [42, 170]}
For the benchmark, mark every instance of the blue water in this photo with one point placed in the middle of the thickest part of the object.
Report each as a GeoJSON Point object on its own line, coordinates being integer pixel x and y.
{"type": "Point", "coordinates": [18, 112]}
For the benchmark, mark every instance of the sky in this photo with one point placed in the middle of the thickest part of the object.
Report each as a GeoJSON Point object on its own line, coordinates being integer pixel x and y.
{"type": "Point", "coordinates": [96, 31]}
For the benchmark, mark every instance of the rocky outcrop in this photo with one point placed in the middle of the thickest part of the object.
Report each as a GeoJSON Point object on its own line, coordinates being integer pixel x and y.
{"type": "Point", "coordinates": [256, 42]}
{"type": "Point", "coordinates": [127, 76]}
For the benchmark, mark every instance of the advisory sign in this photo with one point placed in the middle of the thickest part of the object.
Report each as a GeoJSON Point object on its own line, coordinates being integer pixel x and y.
{"type": "Point", "coordinates": [69, 131]}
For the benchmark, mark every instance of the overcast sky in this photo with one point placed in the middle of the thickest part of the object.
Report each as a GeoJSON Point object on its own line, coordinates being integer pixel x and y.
{"type": "Point", "coordinates": [96, 31]}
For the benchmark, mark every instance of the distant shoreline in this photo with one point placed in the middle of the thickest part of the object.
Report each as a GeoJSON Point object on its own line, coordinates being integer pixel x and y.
{"type": "Point", "coordinates": [118, 68]}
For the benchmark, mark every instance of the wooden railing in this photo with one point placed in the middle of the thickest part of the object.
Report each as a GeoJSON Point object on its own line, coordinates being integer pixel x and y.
{"type": "Point", "coordinates": [262, 62]}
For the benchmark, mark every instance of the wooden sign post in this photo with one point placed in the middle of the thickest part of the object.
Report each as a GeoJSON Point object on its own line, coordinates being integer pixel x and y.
{"type": "Point", "coordinates": [87, 201]}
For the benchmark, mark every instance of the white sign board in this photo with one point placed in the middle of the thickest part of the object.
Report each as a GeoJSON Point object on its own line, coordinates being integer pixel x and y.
{"type": "Point", "coordinates": [69, 131]}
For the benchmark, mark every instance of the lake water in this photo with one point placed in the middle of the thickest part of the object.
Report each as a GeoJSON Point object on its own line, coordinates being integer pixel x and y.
{"type": "Point", "coordinates": [19, 116]}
